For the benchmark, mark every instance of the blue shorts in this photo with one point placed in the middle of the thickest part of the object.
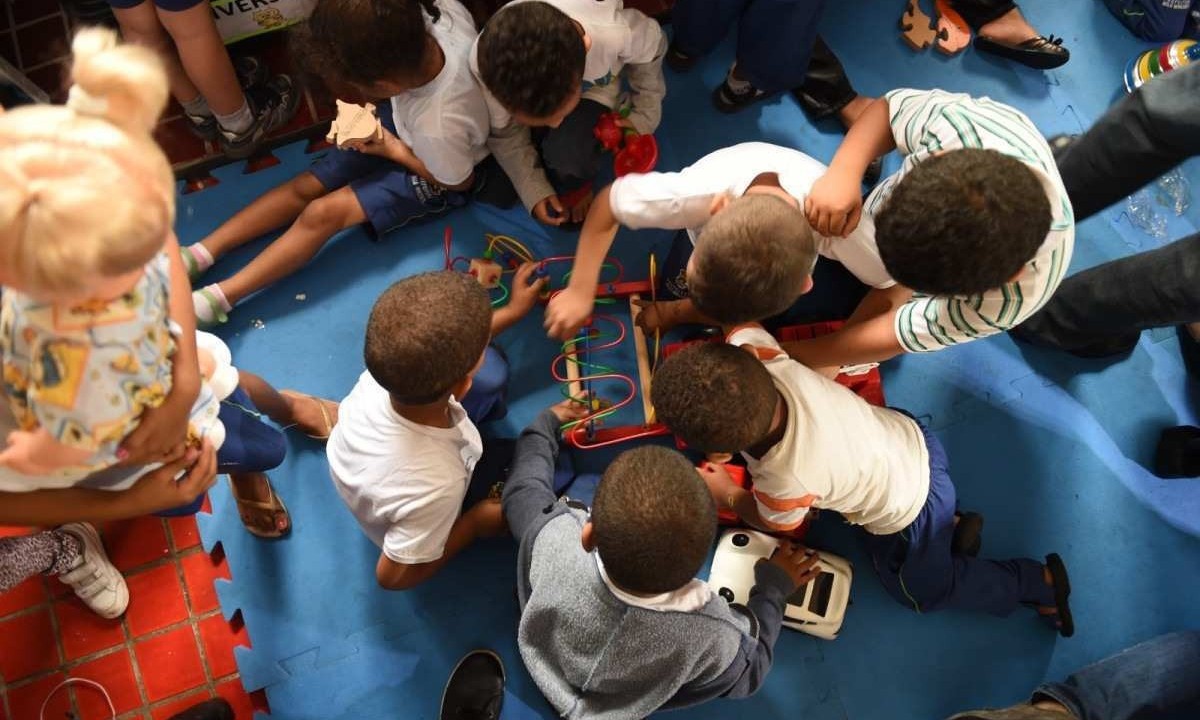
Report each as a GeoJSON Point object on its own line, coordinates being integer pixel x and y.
{"type": "Point", "coordinates": [389, 194]}
{"type": "Point", "coordinates": [250, 445]}
{"type": "Point", "coordinates": [168, 5]}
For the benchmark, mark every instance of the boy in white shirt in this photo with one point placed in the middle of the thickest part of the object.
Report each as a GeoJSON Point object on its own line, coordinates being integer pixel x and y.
{"type": "Point", "coordinates": [812, 443]}
{"type": "Point", "coordinates": [404, 452]}
{"type": "Point", "coordinates": [556, 67]}
{"type": "Point", "coordinates": [742, 209]}
{"type": "Point", "coordinates": [435, 127]}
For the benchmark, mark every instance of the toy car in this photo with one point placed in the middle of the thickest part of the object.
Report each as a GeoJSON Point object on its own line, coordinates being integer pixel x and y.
{"type": "Point", "coordinates": [818, 608]}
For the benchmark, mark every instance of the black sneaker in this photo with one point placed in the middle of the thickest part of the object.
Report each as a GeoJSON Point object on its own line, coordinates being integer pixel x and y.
{"type": "Point", "coordinates": [204, 127]}
{"type": "Point", "coordinates": [217, 709]}
{"type": "Point", "coordinates": [968, 535]}
{"type": "Point", "coordinates": [251, 72]}
{"type": "Point", "coordinates": [475, 690]}
{"type": "Point", "coordinates": [1178, 453]}
{"type": "Point", "coordinates": [678, 61]}
{"type": "Point", "coordinates": [274, 104]}
{"type": "Point", "coordinates": [727, 100]}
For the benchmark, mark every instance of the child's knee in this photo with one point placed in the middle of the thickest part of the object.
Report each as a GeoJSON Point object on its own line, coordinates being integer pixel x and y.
{"type": "Point", "coordinates": [329, 213]}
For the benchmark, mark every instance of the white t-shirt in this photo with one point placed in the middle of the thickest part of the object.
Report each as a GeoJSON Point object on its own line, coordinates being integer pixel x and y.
{"type": "Point", "coordinates": [679, 200]}
{"type": "Point", "coordinates": [839, 452]}
{"type": "Point", "coordinates": [926, 122]}
{"type": "Point", "coordinates": [404, 482]}
{"type": "Point", "coordinates": [445, 121]}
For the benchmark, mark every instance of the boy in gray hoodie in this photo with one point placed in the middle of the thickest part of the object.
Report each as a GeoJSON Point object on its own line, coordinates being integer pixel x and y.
{"type": "Point", "coordinates": [614, 624]}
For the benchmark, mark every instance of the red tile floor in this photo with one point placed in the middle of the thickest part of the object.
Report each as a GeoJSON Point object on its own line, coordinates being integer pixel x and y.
{"type": "Point", "coordinates": [172, 649]}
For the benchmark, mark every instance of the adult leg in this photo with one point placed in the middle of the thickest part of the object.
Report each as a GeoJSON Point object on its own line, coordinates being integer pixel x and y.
{"type": "Point", "coordinates": [50, 552]}
{"type": "Point", "coordinates": [826, 89]}
{"type": "Point", "coordinates": [1003, 30]}
{"type": "Point", "coordinates": [1156, 679]}
{"type": "Point", "coordinates": [485, 401]}
{"type": "Point", "coordinates": [1102, 310]}
{"type": "Point", "coordinates": [1147, 133]}
{"type": "Point", "coordinates": [775, 39]}
{"type": "Point", "coordinates": [917, 567]}
{"type": "Point", "coordinates": [701, 24]}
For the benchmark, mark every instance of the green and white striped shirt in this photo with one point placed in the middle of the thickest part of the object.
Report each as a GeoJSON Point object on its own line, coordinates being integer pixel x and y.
{"type": "Point", "coordinates": [926, 122]}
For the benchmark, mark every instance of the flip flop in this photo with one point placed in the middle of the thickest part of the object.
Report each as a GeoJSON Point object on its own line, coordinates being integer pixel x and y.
{"type": "Point", "coordinates": [1040, 53]}
{"type": "Point", "coordinates": [275, 506]}
{"type": "Point", "coordinates": [323, 405]}
{"type": "Point", "coordinates": [1063, 620]}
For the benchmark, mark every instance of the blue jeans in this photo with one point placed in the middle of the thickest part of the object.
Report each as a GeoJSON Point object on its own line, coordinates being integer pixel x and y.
{"type": "Point", "coordinates": [250, 445]}
{"type": "Point", "coordinates": [917, 568]}
{"type": "Point", "coordinates": [1153, 20]}
{"type": "Point", "coordinates": [1156, 680]}
{"type": "Point", "coordinates": [775, 37]}
{"type": "Point", "coordinates": [485, 401]}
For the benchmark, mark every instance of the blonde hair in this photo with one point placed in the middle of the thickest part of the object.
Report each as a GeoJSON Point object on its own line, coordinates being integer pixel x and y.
{"type": "Point", "coordinates": [84, 189]}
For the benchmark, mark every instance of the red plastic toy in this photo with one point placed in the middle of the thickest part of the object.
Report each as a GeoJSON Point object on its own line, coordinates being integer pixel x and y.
{"type": "Point", "coordinates": [633, 152]}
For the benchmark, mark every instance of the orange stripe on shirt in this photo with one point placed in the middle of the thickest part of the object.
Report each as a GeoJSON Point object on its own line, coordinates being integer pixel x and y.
{"type": "Point", "coordinates": [784, 504]}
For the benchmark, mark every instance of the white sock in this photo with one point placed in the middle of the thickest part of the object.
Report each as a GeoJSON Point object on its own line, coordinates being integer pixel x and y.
{"type": "Point", "coordinates": [197, 107]}
{"type": "Point", "coordinates": [196, 258]}
{"type": "Point", "coordinates": [238, 121]}
{"type": "Point", "coordinates": [210, 304]}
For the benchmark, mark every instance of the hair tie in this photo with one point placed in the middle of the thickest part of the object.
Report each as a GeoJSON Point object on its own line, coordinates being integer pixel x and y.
{"type": "Point", "coordinates": [84, 103]}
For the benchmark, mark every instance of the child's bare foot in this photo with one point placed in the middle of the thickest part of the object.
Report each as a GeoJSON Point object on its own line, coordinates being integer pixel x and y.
{"type": "Point", "coordinates": [261, 510]}
{"type": "Point", "coordinates": [313, 416]}
{"type": "Point", "coordinates": [1011, 27]}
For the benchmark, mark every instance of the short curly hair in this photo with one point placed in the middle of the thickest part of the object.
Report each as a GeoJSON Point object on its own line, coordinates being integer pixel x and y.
{"type": "Point", "coordinates": [717, 398]}
{"type": "Point", "coordinates": [962, 222]}
{"type": "Point", "coordinates": [531, 58]}
{"type": "Point", "coordinates": [751, 260]}
{"type": "Point", "coordinates": [653, 520]}
{"type": "Point", "coordinates": [425, 334]}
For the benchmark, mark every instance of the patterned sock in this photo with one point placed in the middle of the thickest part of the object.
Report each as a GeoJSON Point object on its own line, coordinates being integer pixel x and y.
{"type": "Point", "coordinates": [238, 121]}
{"type": "Point", "coordinates": [197, 259]}
{"type": "Point", "coordinates": [211, 305]}
{"type": "Point", "coordinates": [197, 107]}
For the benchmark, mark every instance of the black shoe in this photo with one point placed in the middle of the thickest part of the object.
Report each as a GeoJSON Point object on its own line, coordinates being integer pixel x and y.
{"type": "Point", "coordinates": [1178, 453]}
{"type": "Point", "coordinates": [679, 62]}
{"type": "Point", "coordinates": [1039, 53]}
{"type": "Point", "coordinates": [203, 126]}
{"type": "Point", "coordinates": [251, 72]}
{"type": "Point", "coordinates": [1060, 143]}
{"type": "Point", "coordinates": [216, 709]}
{"type": "Point", "coordinates": [475, 690]}
{"type": "Point", "coordinates": [728, 101]}
{"type": "Point", "coordinates": [968, 535]}
{"type": "Point", "coordinates": [1063, 621]}
{"type": "Point", "coordinates": [274, 104]}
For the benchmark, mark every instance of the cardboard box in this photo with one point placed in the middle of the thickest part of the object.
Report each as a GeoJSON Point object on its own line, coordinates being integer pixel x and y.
{"type": "Point", "coordinates": [240, 19]}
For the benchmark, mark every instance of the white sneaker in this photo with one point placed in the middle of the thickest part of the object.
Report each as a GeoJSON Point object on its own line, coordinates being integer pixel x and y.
{"type": "Point", "coordinates": [96, 581]}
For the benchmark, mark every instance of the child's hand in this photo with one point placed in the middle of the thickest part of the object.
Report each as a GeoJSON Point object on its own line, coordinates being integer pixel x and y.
{"type": "Point", "coordinates": [550, 211]}
{"type": "Point", "coordinates": [567, 312]}
{"type": "Point", "coordinates": [160, 489]}
{"type": "Point", "coordinates": [27, 451]}
{"type": "Point", "coordinates": [570, 410]}
{"type": "Point", "coordinates": [720, 485]}
{"type": "Point", "coordinates": [799, 562]}
{"type": "Point", "coordinates": [389, 146]}
{"type": "Point", "coordinates": [525, 294]}
{"type": "Point", "coordinates": [658, 316]}
{"type": "Point", "coordinates": [161, 433]}
{"type": "Point", "coordinates": [834, 205]}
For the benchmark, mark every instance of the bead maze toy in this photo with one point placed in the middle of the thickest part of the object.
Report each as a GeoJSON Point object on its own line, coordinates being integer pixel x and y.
{"type": "Point", "coordinates": [818, 608]}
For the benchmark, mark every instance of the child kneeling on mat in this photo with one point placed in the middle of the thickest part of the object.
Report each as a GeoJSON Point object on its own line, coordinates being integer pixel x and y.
{"type": "Point", "coordinates": [405, 455]}
{"type": "Point", "coordinates": [413, 55]}
{"type": "Point", "coordinates": [812, 443]}
{"type": "Point", "coordinates": [596, 590]}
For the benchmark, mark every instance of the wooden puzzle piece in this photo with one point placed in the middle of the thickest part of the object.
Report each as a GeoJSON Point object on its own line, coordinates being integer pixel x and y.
{"type": "Point", "coordinates": [487, 272]}
{"type": "Point", "coordinates": [354, 124]}
{"type": "Point", "coordinates": [953, 32]}
{"type": "Point", "coordinates": [917, 27]}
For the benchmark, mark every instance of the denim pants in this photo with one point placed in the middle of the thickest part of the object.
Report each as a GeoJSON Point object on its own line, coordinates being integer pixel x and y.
{"type": "Point", "coordinates": [1103, 310]}
{"type": "Point", "coordinates": [919, 571]}
{"type": "Point", "coordinates": [774, 37]}
{"type": "Point", "coordinates": [1156, 680]}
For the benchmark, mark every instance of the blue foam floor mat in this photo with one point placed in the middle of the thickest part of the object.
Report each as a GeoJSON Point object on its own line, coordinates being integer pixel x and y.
{"type": "Point", "coordinates": [1053, 450]}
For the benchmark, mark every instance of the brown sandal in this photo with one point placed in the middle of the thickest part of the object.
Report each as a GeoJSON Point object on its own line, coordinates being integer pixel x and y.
{"type": "Point", "coordinates": [275, 506]}
{"type": "Point", "coordinates": [330, 417]}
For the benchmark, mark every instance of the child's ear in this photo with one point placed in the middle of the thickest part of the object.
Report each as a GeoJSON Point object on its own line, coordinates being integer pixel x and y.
{"type": "Point", "coordinates": [460, 390]}
{"type": "Point", "coordinates": [719, 203]}
{"type": "Point", "coordinates": [587, 40]}
{"type": "Point", "coordinates": [808, 285]}
{"type": "Point", "coordinates": [586, 539]}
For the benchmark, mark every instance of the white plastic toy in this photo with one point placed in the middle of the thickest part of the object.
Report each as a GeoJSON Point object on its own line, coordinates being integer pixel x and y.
{"type": "Point", "coordinates": [818, 608]}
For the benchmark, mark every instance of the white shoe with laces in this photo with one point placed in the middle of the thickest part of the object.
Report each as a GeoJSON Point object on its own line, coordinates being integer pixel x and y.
{"type": "Point", "coordinates": [95, 580]}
